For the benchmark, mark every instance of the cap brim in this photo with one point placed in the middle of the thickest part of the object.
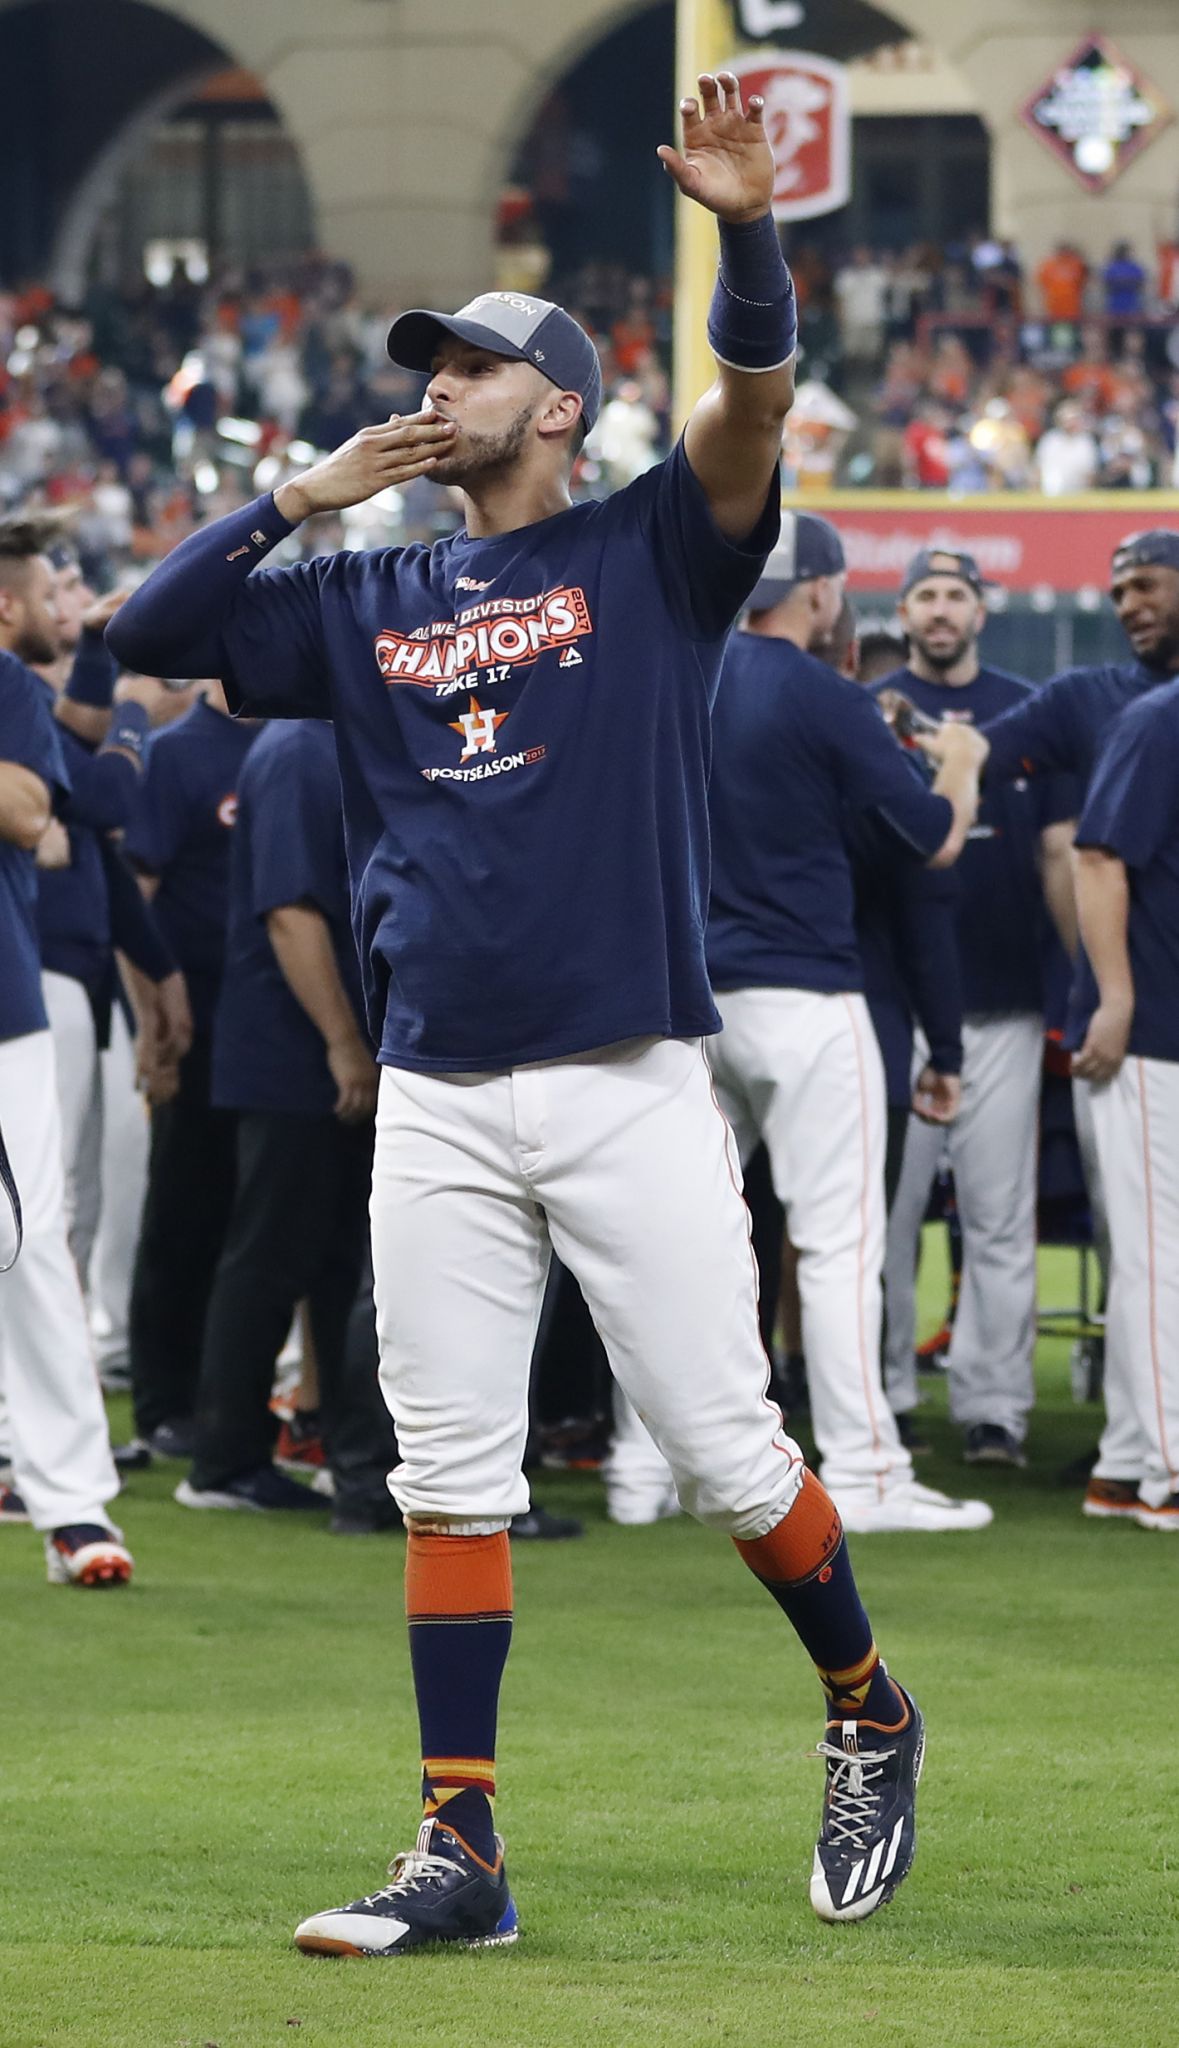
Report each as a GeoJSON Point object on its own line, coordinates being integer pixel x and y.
{"type": "Point", "coordinates": [413, 339]}
{"type": "Point", "coordinates": [769, 592]}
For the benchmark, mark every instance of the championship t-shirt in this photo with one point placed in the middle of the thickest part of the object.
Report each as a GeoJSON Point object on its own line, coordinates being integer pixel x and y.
{"type": "Point", "coordinates": [288, 848]}
{"type": "Point", "coordinates": [1132, 810]}
{"type": "Point", "coordinates": [523, 733]}
{"type": "Point", "coordinates": [795, 745]}
{"type": "Point", "coordinates": [1002, 920]}
{"type": "Point", "coordinates": [30, 737]}
{"type": "Point", "coordinates": [181, 830]}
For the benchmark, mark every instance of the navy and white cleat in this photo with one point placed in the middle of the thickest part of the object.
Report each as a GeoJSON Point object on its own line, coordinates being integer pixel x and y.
{"type": "Point", "coordinates": [438, 1893]}
{"type": "Point", "coordinates": [869, 1832]}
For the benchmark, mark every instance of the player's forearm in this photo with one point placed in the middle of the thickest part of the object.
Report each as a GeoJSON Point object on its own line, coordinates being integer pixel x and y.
{"type": "Point", "coordinates": [1056, 880]}
{"type": "Point", "coordinates": [104, 788]}
{"type": "Point", "coordinates": [302, 943]}
{"type": "Point", "coordinates": [957, 781]}
{"type": "Point", "coordinates": [734, 435]}
{"type": "Point", "coordinates": [135, 929]}
{"type": "Point", "coordinates": [25, 808]}
{"type": "Point", "coordinates": [1103, 911]}
{"type": "Point", "coordinates": [171, 626]}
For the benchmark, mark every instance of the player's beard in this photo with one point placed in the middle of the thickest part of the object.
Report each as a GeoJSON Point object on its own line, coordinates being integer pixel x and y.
{"type": "Point", "coordinates": [39, 649]}
{"type": "Point", "coordinates": [480, 457]}
{"type": "Point", "coordinates": [945, 657]}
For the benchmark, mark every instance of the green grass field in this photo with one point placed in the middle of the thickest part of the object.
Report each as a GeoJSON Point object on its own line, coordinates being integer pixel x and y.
{"type": "Point", "coordinates": [191, 1766]}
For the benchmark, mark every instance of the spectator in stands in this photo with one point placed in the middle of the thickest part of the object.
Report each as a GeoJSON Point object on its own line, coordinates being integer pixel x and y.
{"type": "Point", "coordinates": [1067, 457]}
{"type": "Point", "coordinates": [1062, 278]}
{"type": "Point", "coordinates": [1124, 280]}
{"type": "Point", "coordinates": [1091, 378]}
{"type": "Point", "coordinates": [861, 289]}
{"type": "Point", "coordinates": [927, 447]}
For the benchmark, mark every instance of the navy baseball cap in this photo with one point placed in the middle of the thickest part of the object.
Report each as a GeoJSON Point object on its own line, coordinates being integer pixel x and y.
{"type": "Point", "coordinates": [943, 562]}
{"type": "Point", "coordinates": [1155, 548]}
{"type": "Point", "coordinates": [508, 324]}
{"type": "Point", "coordinates": [807, 547]}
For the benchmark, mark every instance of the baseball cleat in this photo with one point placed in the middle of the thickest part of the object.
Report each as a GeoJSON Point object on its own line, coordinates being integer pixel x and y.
{"type": "Point", "coordinates": [869, 1831]}
{"type": "Point", "coordinates": [87, 1554]}
{"type": "Point", "coordinates": [909, 1508]}
{"type": "Point", "coordinates": [1111, 1499]}
{"type": "Point", "coordinates": [634, 1506]}
{"type": "Point", "coordinates": [12, 1507]}
{"type": "Point", "coordinates": [1164, 1516]}
{"type": "Point", "coordinates": [439, 1894]}
{"type": "Point", "coordinates": [987, 1443]}
{"type": "Point", "coordinates": [260, 1493]}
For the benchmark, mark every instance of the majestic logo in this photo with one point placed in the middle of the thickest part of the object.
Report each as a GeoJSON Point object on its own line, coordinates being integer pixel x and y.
{"type": "Point", "coordinates": [510, 631]}
{"type": "Point", "coordinates": [478, 728]}
{"type": "Point", "coordinates": [470, 583]}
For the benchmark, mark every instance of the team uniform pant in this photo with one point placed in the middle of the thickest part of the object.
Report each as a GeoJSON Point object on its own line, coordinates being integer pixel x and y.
{"type": "Point", "coordinates": [191, 1169]}
{"type": "Point", "coordinates": [1136, 1124]}
{"type": "Point", "coordinates": [803, 1071]}
{"type": "Point", "coordinates": [620, 1161]}
{"type": "Point", "coordinates": [992, 1148]}
{"type": "Point", "coordinates": [105, 1144]}
{"type": "Point", "coordinates": [60, 1448]}
{"type": "Point", "coordinates": [296, 1232]}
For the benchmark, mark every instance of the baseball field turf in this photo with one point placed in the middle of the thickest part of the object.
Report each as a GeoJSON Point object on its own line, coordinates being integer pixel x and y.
{"type": "Point", "coordinates": [192, 1765]}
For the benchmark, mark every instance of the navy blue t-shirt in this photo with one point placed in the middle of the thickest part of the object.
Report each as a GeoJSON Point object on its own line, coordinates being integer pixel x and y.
{"type": "Point", "coordinates": [1132, 810]}
{"type": "Point", "coordinates": [523, 732]}
{"type": "Point", "coordinates": [288, 848]}
{"type": "Point", "coordinates": [182, 830]}
{"type": "Point", "coordinates": [1002, 916]}
{"type": "Point", "coordinates": [1062, 726]}
{"type": "Point", "coordinates": [31, 737]}
{"type": "Point", "coordinates": [793, 745]}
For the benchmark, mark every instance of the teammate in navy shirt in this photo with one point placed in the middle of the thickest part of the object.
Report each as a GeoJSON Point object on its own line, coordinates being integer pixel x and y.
{"type": "Point", "coordinates": [1064, 727]}
{"type": "Point", "coordinates": [179, 838]}
{"type": "Point", "coordinates": [64, 1475]}
{"type": "Point", "coordinates": [795, 749]}
{"type": "Point", "coordinates": [522, 724]}
{"type": "Point", "coordinates": [291, 1057]}
{"type": "Point", "coordinates": [1128, 906]}
{"type": "Point", "coordinates": [1023, 828]}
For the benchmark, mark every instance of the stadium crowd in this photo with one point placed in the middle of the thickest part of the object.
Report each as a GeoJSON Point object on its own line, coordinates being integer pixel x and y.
{"type": "Point", "coordinates": [196, 1077]}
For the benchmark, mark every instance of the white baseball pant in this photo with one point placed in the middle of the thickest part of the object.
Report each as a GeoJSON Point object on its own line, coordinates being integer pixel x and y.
{"type": "Point", "coordinates": [123, 1184]}
{"type": "Point", "coordinates": [1136, 1123]}
{"type": "Point", "coordinates": [79, 1095]}
{"type": "Point", "coordinates": [803, 1071]}
{"type": "Point", "coordinates": [993, 1147]}
{"type": "Point", "coordinates": [61, 1454]}
{"type": "Point", "coordinates": [621, 1162]}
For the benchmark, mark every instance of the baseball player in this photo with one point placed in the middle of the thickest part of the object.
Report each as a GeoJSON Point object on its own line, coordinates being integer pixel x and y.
{"type": "Point", "coordinates": [1023, 831]}
{"type": "Point", "coordinates": [794, 747]}
{"type": "Point", "coordinates": [63, 1474]}
{"type": "Point", "coordinates": [1127, 876]}
{"type": "Point", "coordinates": [522, 725]}
{"type": "Point", "coordinates": [1062, 728]}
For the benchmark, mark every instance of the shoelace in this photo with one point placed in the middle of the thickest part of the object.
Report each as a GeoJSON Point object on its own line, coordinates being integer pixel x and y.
{"type": "Point", "coordinates": [413, 1868]}
{"type": "Point", "coordinates": [853, 1797]}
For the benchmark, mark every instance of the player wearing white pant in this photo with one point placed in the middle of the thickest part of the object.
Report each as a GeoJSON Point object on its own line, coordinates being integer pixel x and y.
{"type": "Point", "coordinates": [521, 720]}
{"type": "Point", "coordinates": [993, 1159]}
{"type": "Point", "coordinates": [1064, 726]}
{"type": "Point", "coordinates": [796, 750]}
{"type": "Point", "coordinates": [63, 1473]}
{"type": "Point", "coordinates": [1016, 857]}
{"type": "Point", "coordinates": [1128, 904]}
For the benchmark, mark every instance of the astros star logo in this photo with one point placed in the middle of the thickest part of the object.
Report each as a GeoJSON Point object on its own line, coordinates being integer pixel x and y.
{"type": "Point", "coordinates": [478, 729]}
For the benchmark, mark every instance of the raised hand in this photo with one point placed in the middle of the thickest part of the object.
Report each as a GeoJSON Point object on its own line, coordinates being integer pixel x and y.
{"type": "Point", "coordinates": [373, 460]}
{"type": "Point", "coordinates": [726, 163]}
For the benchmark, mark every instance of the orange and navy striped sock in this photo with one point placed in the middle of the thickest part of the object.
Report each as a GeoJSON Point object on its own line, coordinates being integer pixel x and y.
{"type": "Point", "coordinates": [803, 1563]}
{"type": "Point", "coordinates": [458, 1603]}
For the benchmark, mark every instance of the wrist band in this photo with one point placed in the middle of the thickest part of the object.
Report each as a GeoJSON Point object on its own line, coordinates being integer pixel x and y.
{"type": "Point", "coordinates": [752, 321]}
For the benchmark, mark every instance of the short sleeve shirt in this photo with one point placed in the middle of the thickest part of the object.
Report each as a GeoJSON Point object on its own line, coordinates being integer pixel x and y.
{"type": "Point", "coordinates": [523, 733]}
{"type": "Point", "coordinates": [29, 737]}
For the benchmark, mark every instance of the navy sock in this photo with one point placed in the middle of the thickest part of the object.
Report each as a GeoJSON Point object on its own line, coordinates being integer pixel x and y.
{"type": "Point", "coordinates": [458, 1596]}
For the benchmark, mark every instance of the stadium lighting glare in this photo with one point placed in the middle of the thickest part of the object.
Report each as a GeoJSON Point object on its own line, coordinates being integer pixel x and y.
{"type": "Point", "coordinates": [248, 432]}
{"type": "Point", "coordinates": [205, 478]}
{"type": "Point", "coordinates": [302, 451]}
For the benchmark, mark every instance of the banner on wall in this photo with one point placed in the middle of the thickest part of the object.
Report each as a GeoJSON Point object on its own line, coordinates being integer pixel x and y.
{"type": "Point", "coordinates": [808, 123]}
{"type": "Point", "coordinates": [1064, 547]}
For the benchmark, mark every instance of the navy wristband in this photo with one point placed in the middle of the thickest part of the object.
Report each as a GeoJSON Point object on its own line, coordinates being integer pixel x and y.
{"type": "Point", "coordinates": [752, 322]}
{"type": "Point", "coordinates": [92, 678]}
{"type": "Point", "coordinates": [128, 731]}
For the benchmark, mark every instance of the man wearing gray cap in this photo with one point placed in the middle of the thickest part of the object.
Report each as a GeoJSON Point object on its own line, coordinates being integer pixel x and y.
{"type": "Point", "coordinates": [1066, 726]}
{"type": "Point", "coordinates": [521, 717]}
{"type": "Point", "coordinates": [796, 748]}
